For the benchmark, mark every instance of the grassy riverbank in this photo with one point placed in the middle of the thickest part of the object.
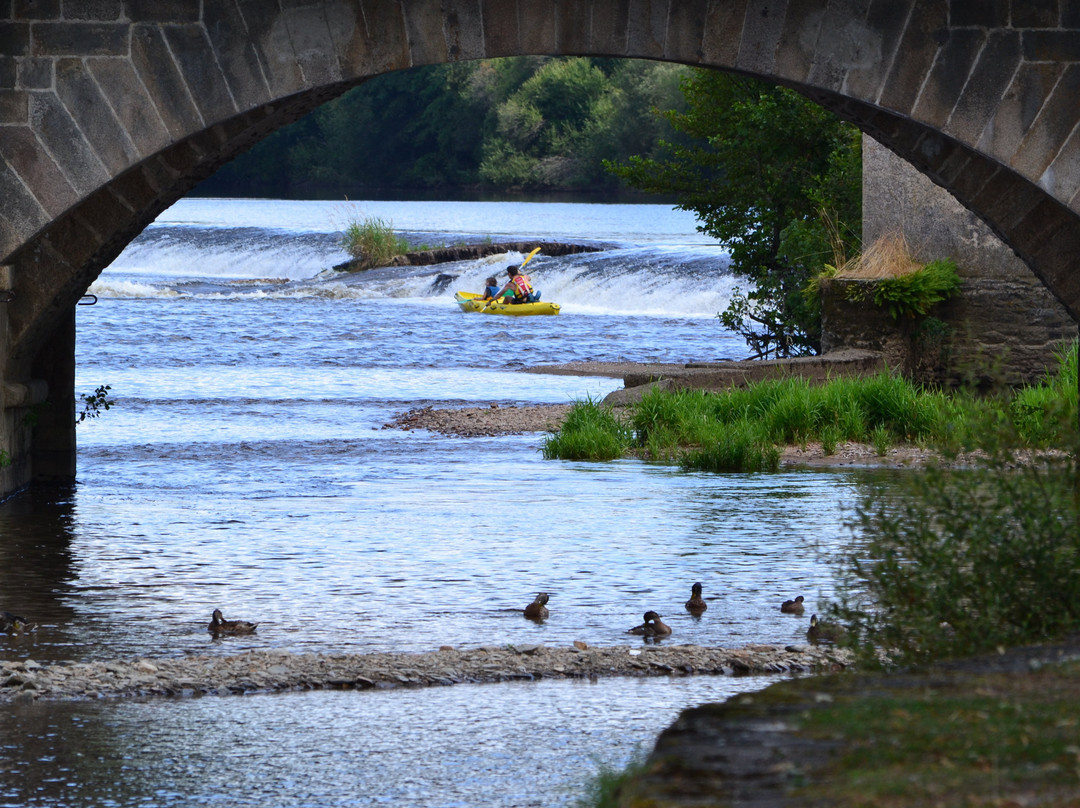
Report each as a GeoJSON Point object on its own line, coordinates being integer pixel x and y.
{"type": "Point", "coordinates": [977, 564]}
{"type": "Point", "coordinates": [1002, 735]}
{"type": "Point", "coordinates": [743, 429]}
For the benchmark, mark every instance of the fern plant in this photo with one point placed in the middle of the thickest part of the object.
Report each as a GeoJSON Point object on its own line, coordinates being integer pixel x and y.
{"type": "Point", "coordinates": [914, 294]}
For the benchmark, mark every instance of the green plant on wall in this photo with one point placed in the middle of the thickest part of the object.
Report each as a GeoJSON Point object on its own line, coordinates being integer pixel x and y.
{"type": "Point", "coordinates": [913, 295]}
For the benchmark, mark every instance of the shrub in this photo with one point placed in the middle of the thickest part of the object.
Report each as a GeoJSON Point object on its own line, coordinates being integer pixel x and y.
{"type": "Point", "coordinates": [964, 561]}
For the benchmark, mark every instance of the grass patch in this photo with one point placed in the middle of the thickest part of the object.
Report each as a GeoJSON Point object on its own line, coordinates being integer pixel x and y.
{"type": "Point", "coordinates": [591, 431]}
{"type": "Point", "coordinates": [986, 739]}
{"type": "Point", "coordinates": [372, 242]}
{"type": "Point", "coordinates": [603, 789]}
{"type": "Point", "coordinates": [741, 429]}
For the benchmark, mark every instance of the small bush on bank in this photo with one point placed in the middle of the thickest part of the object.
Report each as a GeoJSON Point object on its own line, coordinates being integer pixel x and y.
{"type": "Point", "coordinates": [371, 242]}
{"type": "Point", "coordinates": [953, 563]}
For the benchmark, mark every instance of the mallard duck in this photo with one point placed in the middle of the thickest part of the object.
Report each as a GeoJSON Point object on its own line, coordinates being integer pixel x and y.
{"type": "Point", "coordinates": [13, 624]}
{"type": "Point", "coordinates": [696, 605]}
{"type": "Point", "coordinates": [219, 625]}
{"type": "Point", "coordinates": [537, 610]}
{"type": "Point", "coordinates": [652, 627]}
{"type": "Point", "coordinates": [827, 633]}
{"type": "Point", "coordinates": [792, 606]}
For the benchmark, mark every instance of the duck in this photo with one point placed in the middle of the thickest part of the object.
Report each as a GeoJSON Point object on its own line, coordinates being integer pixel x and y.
{"type": "Point", "coordinates": [827, 633]}
{"type": "Point", "coordinates": [219, 625]}
{"type": "Point", "coordinates": [652, 627]}
{"type": "Point", "coordinates": [792, 606]}
{"type": "Point", "coordinates": [13, 624]}
{"type": "Point", "coordinates": [696, 605]}
{"type": "Point", "coordinates": [537, 610]}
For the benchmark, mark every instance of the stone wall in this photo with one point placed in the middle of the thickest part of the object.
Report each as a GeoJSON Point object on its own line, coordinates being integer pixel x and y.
{"type": "Point", "coordinates": [1004, 326]}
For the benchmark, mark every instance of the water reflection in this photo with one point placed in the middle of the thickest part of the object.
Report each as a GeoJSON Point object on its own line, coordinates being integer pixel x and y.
{"type": "Point", "coordinates": [514, 744]}
{"type": "Point", "coordinates": [38, 564]}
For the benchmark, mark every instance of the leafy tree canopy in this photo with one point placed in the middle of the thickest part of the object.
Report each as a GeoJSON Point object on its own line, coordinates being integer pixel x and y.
{"type": "Point", "coordinates": [528, 122]}
{"type": "Point", "coordinates": [777, 180]}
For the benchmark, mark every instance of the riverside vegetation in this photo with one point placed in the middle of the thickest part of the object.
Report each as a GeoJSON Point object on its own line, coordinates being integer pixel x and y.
{"type": "Point", "coordinates": [948, 562]}
{"type": "Point", "coordinates": [742, 429]}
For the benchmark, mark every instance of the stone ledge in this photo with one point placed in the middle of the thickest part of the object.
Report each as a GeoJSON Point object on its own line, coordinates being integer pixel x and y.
{"type": "Point", "coordinates": [271, 670]}
{"type": "Point", "coordinates": [423, 258]}
{"type": "Point", "coordinates": [724, 375]}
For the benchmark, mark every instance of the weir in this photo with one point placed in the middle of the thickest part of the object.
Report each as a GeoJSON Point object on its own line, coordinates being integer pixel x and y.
{"type": "Point", "coordinates": [111, 112]}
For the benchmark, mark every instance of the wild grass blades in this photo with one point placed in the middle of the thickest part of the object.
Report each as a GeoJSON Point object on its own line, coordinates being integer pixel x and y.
{"type": "Point", "coordinates": [888, 257]}
{"type": "Point", "coordinates": [1046, 413]}
{"type": "Point", "coordinates": [957, 562]}
{"type": "Point", "coordinates": [742, 446]}
{"type": "Point", "coordinates": [371, 242]}
{"type": "Point", "coordinates": [738, 429]}
{"type": "Point", "coordinates": [603, 789]}
{"type": "Point", "coordinates": [591, 431]}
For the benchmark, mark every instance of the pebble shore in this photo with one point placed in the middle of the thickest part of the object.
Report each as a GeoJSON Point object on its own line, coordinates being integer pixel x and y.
{"type": "Point", "coordinates": [271, 671]}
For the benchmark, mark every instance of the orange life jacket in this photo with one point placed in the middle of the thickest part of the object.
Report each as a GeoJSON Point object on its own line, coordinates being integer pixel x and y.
{"type": "Point", "coordinates": [522, 287]}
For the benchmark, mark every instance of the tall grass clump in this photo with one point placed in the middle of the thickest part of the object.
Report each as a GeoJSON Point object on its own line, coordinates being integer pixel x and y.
{"type": "Point", "coordinates": [371, 242]}
{"type": "Point", "coordinates": [954, 563]}
{"type": "Point", "coordinates": [1045, 414]}
{"type": "Point", "coordinates": [742, 446]}
{"type": "Point", "coordinates": [591, 431]}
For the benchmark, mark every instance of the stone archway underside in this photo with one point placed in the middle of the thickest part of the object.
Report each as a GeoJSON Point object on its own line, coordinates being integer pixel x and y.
{"type": "Point", "coordinates": [111, 111]}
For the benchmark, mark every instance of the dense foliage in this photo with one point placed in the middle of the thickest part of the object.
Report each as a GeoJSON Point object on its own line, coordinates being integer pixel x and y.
{"type": "Point", "coordinates": [530, 122]}
{"type": "Point", "coordinates": [965, 561]}
{"type": "Point", "coordinates": [777, 180]}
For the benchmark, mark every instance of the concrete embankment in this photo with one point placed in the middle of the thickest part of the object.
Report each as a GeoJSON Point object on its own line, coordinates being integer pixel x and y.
{"type": "Point", "coordinates": [265, 671]}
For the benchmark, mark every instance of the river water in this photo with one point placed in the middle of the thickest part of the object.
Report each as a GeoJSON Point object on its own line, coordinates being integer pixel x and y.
{"type": "Point", "coordinates": [247, 466]}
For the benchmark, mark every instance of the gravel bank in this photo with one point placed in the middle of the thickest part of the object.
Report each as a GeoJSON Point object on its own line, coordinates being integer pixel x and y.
{"type": "Point", "coordinates": [267, 671]}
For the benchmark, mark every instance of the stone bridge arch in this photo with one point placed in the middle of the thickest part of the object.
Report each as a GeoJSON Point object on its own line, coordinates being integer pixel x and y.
{"type": "Point", "coordinates": [111, 110]}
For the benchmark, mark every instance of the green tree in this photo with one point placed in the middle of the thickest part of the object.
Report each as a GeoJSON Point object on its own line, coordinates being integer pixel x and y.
{"type": "Point", "coordinates": [777, 180]}
{"type": "Point", "coordinates": [528, 121]}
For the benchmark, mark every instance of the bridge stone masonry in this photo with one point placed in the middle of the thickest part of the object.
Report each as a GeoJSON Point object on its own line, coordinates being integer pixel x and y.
{"type": "Point", "coordinates": [111, 110]}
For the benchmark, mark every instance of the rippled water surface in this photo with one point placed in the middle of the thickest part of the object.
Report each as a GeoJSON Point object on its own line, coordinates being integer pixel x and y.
{"type": "Point", "coordinates": [247, 465]}
{"type": "Point", "coordinates": [512, 745]}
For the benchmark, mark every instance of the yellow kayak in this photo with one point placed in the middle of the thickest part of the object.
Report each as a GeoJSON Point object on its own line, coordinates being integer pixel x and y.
{"type": "Point", "coordinates": [469, 301]}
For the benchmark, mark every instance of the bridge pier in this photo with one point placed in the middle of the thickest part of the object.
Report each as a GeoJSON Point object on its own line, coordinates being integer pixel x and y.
{"type": "Point", "coordinates": [37, 406]}
{"type": "Point", "coordinates": [53, 456]}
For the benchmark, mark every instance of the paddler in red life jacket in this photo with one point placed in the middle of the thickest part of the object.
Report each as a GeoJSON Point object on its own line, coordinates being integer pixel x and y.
{"type": "Point", "coordinates": [521, 286]}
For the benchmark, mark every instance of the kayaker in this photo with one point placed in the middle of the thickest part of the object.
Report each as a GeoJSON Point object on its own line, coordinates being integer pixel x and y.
{"type": "Point", "coordinates": [491, 290]}
{"type": "Point", "coordinates": [521, 286]}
